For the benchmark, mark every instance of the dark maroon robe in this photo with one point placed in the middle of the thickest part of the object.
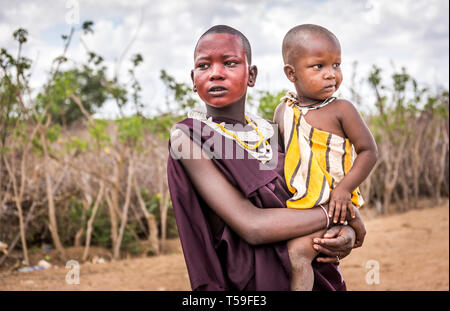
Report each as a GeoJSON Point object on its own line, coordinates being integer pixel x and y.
{"type": "Point", "coordinates": [216, 257]}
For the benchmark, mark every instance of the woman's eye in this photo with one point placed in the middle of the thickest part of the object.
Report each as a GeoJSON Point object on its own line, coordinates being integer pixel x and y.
{"type": "Point", "coordinates": [202, 66]}
{"type": "Point", "coordinates": [231, 63]}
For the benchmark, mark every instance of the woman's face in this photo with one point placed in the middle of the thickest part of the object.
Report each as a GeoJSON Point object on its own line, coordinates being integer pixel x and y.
{"type": "Point", "coordinates": [221, 72]}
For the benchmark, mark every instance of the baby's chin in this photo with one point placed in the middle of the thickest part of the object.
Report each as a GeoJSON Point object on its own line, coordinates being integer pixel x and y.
{"type": "Point", "coordinates": [326, 95]}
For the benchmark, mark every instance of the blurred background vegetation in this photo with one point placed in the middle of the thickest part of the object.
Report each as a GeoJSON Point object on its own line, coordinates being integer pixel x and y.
{"type": "Point", "coordinates": [69, 179]}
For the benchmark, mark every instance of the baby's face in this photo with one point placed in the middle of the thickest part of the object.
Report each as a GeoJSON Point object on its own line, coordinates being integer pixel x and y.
{"type": "Point", "coordinates": [220, 71]}
{"type": "Point", "coordinates": [317, 69]}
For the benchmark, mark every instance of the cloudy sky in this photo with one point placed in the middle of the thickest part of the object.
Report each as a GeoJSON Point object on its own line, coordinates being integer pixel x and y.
{"type": "Point", "coordinates": [390, 34]}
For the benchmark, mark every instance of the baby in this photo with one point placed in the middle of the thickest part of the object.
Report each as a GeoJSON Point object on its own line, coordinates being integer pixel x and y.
{"type": "Point", "coordinates": [321, 136]}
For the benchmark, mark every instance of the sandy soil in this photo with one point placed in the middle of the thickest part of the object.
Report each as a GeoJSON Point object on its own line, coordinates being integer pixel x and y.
{"type": "Point", "coordinates": [409, 251]}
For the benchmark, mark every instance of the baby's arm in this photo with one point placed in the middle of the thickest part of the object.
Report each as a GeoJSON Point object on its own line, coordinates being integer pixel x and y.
{"type": "Point", "coordinates": [360, 136]}
{"type": "Point", "coordinates": [278, 118]}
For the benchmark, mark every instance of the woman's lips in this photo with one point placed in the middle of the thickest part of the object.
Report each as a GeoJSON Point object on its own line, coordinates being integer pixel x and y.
{"type": "Point", "coordinates": [217, 90]}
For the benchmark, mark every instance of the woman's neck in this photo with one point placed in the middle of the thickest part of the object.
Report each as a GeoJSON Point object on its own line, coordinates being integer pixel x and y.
{"type": "Point", "coordinates": [235, 111]}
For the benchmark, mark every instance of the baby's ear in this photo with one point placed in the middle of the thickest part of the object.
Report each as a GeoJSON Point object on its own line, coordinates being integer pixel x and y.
{"type": "Point", "coordinates": [252, 73]}
{"type": "Point", "coordinates": [289, 71]}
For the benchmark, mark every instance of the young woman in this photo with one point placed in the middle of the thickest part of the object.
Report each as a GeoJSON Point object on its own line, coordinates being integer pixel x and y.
{"type": "Point", "coordinates": [230, 209]}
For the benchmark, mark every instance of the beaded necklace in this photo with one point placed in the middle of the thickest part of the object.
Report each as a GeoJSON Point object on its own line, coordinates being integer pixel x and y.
{"type": "Point", "coordinates": [291, 99]}
{"type": "Point", "coordinates": [262, 132]}
{"type": "Point", "coordinates": [246, 146]}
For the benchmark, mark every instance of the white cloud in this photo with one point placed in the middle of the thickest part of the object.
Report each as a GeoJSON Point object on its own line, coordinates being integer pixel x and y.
{"type": "Point", "coordinates": [413, 34]}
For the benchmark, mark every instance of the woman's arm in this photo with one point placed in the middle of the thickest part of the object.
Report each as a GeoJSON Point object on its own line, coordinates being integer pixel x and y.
{"type": "Point", "coordinates": [255, 225]}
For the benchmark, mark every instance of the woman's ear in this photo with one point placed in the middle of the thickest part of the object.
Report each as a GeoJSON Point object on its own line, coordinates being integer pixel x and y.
{"type": "Point", "coordinates": [252, 73]}
{"type": "Point", "coordinates": [289, 71]}
{"type": "Point", "coordinates": [194, 88]}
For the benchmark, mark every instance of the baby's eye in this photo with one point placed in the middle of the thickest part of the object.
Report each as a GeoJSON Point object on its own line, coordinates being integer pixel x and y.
{"type": "Point", "coordinates": [317, 66]}
{"type": "Point", "coordinates": [336, 65]}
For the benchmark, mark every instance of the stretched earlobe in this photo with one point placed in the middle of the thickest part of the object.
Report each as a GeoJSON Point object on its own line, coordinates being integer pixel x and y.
{"type": "Point", "coordinates": [253, 72]}
{"type": "Point", "coordinates": [194, 88]}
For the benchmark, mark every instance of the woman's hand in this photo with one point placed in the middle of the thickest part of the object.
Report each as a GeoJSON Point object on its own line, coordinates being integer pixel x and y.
{"type": "Point", "coordinates": [358, 225]}
{"type": "Point", "coordinates": [336, 243]}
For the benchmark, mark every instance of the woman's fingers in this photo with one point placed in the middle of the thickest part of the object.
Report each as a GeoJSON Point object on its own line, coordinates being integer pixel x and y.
{"type": "Point", "coordinates": [360, 232]}
{"type": "Point", "coordinates": [331, 233]}
{"type": "Point", "coordinates": [327, 259]}
{"type": "Point", "coordinates": [331, 255]}
{"type": "Point", "coordinates": [335, 246]}
{"type": "Point", "coordinates": [326, 251]}
{"type": "Point", "coordinates": [339, 242]}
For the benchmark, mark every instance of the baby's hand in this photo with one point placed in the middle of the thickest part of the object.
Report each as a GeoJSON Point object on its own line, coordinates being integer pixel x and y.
{"type": "Point", "coordinates": [340, 201]}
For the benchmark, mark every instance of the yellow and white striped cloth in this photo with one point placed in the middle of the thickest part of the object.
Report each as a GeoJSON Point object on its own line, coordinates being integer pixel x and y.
{"type": "Point", "coordinates": [315, 160]}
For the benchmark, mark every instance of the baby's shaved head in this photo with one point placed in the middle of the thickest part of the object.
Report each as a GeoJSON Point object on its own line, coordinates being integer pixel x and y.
{"type": "Point", "coordinates": [296, 40]}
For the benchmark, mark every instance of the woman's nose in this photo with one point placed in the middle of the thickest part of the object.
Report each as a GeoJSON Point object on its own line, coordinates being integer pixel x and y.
{"type": "Point", "coordinates": [217, 73]}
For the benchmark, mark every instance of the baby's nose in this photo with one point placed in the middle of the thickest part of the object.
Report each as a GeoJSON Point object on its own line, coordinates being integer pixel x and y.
{"type": "Point", "coordinates": [329, 74]}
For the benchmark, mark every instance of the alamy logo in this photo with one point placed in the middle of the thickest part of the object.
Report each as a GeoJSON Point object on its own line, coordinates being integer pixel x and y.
{"type": "Point", "coordinates": [215, 147]}
{"type": "Point", "coordinates": [373, 273]}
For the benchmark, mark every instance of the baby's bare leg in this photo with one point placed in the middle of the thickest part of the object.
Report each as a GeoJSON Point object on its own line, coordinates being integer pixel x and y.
{"type": "Point", "coordinates": [301, 254]}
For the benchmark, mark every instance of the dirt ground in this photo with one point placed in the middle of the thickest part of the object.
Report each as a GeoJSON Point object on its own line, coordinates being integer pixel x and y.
{"type": "Point", "coordinates": [408, 251]}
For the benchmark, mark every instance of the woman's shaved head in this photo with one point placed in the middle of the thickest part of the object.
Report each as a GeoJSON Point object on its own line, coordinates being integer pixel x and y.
{"type": "Point", "coordinates": [232, 31]}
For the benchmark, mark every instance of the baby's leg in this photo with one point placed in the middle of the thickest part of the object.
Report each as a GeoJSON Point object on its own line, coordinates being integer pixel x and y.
{"type": "Point", "coordinates": [301, 255]}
